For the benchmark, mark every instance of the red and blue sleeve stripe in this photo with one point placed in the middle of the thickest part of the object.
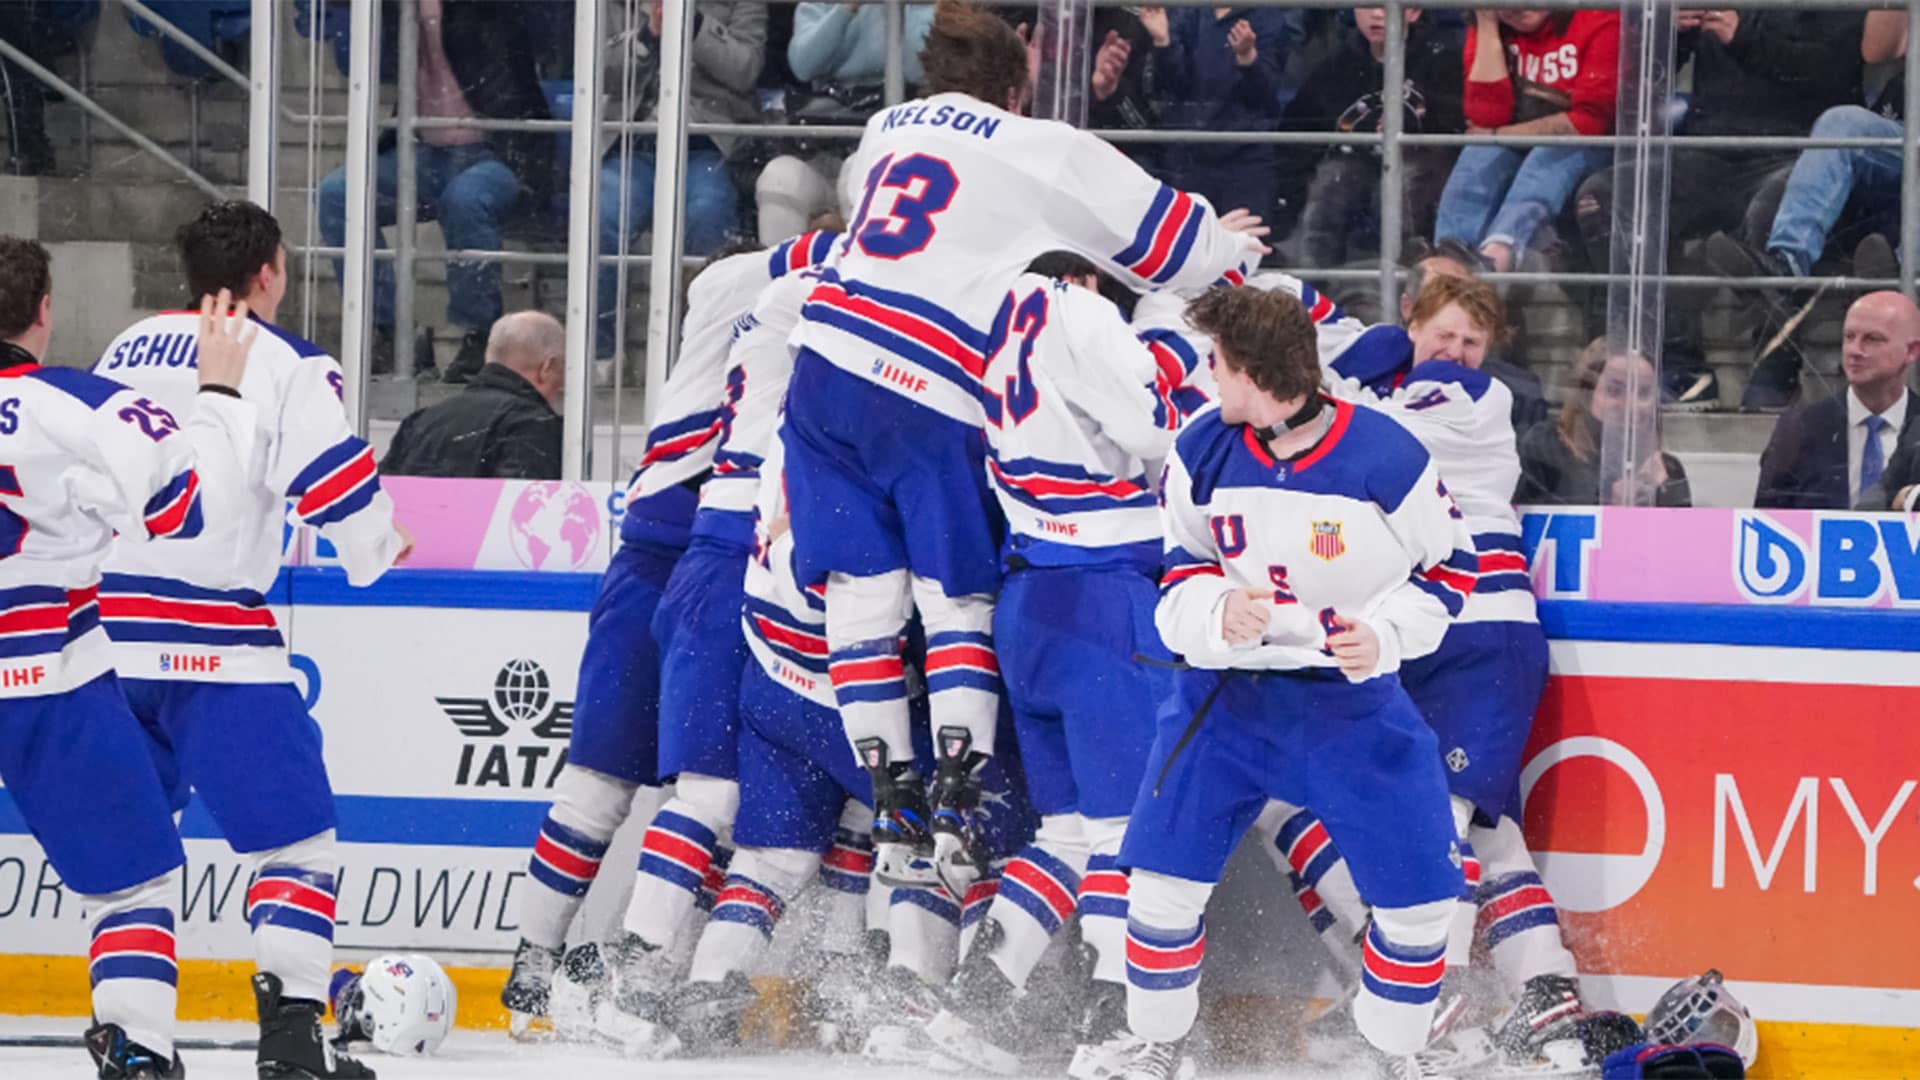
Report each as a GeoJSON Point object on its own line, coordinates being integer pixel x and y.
{"type": "Point", "coordinates": [807, 249]}
{"type": "Point", "coordinates": [174, 511]}
{"type": "Point", "coordinates": [1165, 237]}
{"type": "Point", "coordinates": [340, 482]}
{"type": "Point", "coordinates": [675, 439]}
{"type": "Point", "coordinates": [1183, 565]}
{"type": "Point", "coordinates": [1449, 582]}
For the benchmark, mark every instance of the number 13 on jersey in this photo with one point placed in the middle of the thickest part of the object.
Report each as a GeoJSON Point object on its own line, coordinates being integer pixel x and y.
{"type": "Point", "coordinates": [923, 185]}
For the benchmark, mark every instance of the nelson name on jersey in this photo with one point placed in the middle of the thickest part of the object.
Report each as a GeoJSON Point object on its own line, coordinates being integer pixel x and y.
{"type": "Point", "coordinates": [918, 114]}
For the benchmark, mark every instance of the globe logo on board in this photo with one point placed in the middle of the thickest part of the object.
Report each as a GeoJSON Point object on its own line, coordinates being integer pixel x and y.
{"type": "Point", "coordinates": [520, 691]}
{"type": "Point", "coordinates": [553, 526]}
{"type": "Point", "coordinates": [1587, 880]}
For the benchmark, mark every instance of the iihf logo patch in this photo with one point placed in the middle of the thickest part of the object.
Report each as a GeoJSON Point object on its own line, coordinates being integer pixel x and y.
{"type": "Point", "coordinates": [166, 662]}
{"type": "Point", "coordinates": [1457, 760]}
{"type": "Point", "coordinates": [1326, 543]}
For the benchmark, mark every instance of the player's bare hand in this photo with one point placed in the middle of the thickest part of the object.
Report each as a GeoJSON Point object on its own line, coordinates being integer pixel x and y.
{"type": "Point", "coordinates": [1246, 223]}
{"type": "Point", "coordinates": [1721, 23]}
{"type": "Point", "coordinates": [1356, 648]}
{"type": "Point", "coordinates": [406, 544]}
{"type": "Point", "coordinates": [1241, 40]}
{"type": "Point", "coordinates": [1154, 19]}
{"type": "Point", "coordinates": [1109, 63]}
{"type": "Point", "coordinates": [225, 337]}
{"type": "Point", "coordinates": [1244, 616]}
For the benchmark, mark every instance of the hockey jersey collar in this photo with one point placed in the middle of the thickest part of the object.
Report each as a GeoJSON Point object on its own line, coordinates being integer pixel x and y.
{"type": "Point", "coordinates": [1342, 417]}
{"type": "Point", "coordinates": [16, 361]}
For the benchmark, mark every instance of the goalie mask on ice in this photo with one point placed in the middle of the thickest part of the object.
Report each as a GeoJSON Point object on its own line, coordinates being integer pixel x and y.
{"type": "Point", "coordinates": [1703, 1010]}
{"type": "Point", "coordinates": [403, 1004]}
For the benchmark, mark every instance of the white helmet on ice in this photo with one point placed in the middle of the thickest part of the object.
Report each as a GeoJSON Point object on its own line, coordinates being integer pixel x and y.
{"type": "Point", "coordinates": [1703, 1010]}
{"type": "Point", "coordinates": [406, 1003]}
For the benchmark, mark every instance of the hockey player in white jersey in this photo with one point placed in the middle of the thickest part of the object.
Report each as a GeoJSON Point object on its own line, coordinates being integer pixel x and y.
{"type": "Point", "coordinates": [703, 654]}
{"type": "Point", "coordinates": [614, 748]}
{"type": "Point", "coordinates": [1080, 412]}
{"type": "Point", "coordinates": [958, 192]}
{"type": "Point", "coordinates": [203, 663]}
{"type": "Point", "coordinates": [1479, 690]}
{"type": "Point", "coordinates": [86, 458]}
{"type": "Point", "coordinates": [1311, 550]}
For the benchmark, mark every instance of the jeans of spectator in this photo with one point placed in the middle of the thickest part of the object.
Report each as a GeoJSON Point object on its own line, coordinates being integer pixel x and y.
{"type": "Point", "coordinates": [713, 207]}
{"type": "Point", "coordinates": [1498, 194]}
{"type": "Point", "coordinates": [1823, 182]}
{"type": "Point", "coordinates": [1341, 219]}
{"type": "Point", "coordinates": [469, 191]}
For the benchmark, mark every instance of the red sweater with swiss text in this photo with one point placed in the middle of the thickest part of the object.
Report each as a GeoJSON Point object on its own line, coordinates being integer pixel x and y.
{"type": "Point", "coordinates": [1571, 65]}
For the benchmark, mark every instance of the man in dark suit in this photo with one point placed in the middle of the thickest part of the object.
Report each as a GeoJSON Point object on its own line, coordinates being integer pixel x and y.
{"type": "Point", "coordinates": [1826, 455]}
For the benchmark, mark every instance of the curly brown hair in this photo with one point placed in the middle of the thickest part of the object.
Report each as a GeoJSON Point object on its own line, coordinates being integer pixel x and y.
{"type": "Point", "coordinates": [972, 51]}
{"type": "Point", "coordinates": [1265, 335]}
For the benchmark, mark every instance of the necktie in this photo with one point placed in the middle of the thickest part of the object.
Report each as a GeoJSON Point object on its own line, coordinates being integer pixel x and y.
{"type": "Point", "coordinates": [1873, 459]}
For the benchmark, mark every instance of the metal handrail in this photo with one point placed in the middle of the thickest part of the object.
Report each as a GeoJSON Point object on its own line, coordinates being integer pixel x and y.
{"type": "Point", "coordinates": [100, 113]}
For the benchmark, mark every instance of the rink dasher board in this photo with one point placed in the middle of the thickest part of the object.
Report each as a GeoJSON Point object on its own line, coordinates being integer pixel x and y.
{"type": "Point", "coordinates": [436, 819]}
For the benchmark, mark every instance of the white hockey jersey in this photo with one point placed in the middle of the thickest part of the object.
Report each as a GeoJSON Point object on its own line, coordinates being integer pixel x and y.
{"type": "Point", "coordinates": [759, 366]}
{"type": "Point", "coordinates": [785, 621]}
{"type": "Point", "coordinates": [1465, 420]}
{"type": "Point", "coordinates": [1464, 417]}
{"type": "Point", "coordinates": [1360, 525]}
{"type": "Point", "coordinates": [687, 424]}
{"type": "Point", "coordinates": [88, 458]}
{"type": "Point", "coordinates": [197, 610]}
{"type": "Point", "coordinates": [956, 198]}
{"type": "Point", "coordinates": [1078, 410]}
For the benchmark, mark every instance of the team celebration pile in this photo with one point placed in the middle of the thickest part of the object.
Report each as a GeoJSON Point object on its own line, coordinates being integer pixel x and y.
{"type": "Point", "coordinates": [1000, 556]}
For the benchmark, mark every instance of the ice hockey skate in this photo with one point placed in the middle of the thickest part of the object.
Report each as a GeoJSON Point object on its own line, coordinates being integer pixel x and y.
{"type": "Point", "coordinates": [634, 1012]}
{"type": "Point", "coordinates": [291, 1042]}
{"type": "Point", "coordinates": [120, 1058]}
{"type": "Point", "coordinates": [529, 987]}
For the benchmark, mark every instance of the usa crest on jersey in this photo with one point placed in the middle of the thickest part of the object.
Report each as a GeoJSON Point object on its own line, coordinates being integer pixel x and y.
{"type": "Point", "coordinates": [1326, 540]}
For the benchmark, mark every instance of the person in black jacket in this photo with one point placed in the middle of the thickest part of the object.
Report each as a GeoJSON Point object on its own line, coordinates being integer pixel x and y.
{"type": "Point", "coordinates": [1832, 453]}
{"type": "Point", "coordinates": [1755, 72]}
{"type": "Point", "coordinates": [1579, 459]}
{"type": "Point", "coordinates": [503, 425]}
{"type": "Point", "coordinates": [475, 60]}
{"type": "Point", "coordinates": [1338, 187]}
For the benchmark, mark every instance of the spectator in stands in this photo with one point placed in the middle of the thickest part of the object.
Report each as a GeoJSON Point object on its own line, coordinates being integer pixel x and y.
{"type": "Point", "coordinates": [1579, 460]}
{"type": "Point", "coordinates": [729, 48]}
{"type": "Point", "coordinates": [1821, 186]}
{"type": "Point", "coordinates": [503, 425]}
{"type": "Point", "coordinates": [1220, 69]}
{"type": "Point", "coordinates": [1338, 188]}
{"type": "Point", "coordinates": [473, 62]}
{"type": "Point", "coordinates": [1769, 71]}
{"type": "Point", "coordinates": [1529, 402]}
{"type": "Point", "coordinates": [840, 51]}
{"type": "Point", "coordinates": [1825, 455]}
{"type": "Point", "coordinates": [1529, 72]}
{"type": "Point", "coordinates": [1120, 97]}
{"type": "Point", "coordinates": [42, 29]}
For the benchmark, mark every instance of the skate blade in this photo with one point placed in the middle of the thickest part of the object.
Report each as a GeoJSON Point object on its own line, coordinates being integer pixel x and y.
{"type": "Point", "coordinates": [633, 1036]}
{"type": "Point", "coordinates": [1101, 1062]}
{"type": "Point", "coordinates": [897, 1044]}
{"type": "Point", "coordinates": [529, 1028]}
{"type": "Point", "coordinates": [956, 1039]}
{"type": "Point", "coordinates": [1561, 1057]}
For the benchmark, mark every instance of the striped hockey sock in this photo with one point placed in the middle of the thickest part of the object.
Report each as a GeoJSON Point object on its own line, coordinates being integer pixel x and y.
{"type": "Point", "coordinates": [563, 865]}
{"type": "Point", "coordinates": [1399, 986]}
{"type": "Point", "coordinates": [676, 857]}
{"type": "Point", "coordinates": [291, 911]}
{"type": "Point", "coordinates": [1038, 894]}
{"type": "Point", "coordinates": [1103, 917]}
{"type": "Point", "coordinates": [134, 976]}
{"type": "Point", "coordinates": [1163, 979]}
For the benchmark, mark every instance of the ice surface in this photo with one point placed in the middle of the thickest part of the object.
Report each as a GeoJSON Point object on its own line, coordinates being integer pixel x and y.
{"type": "Point", "coordinates": [473, 1055]}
